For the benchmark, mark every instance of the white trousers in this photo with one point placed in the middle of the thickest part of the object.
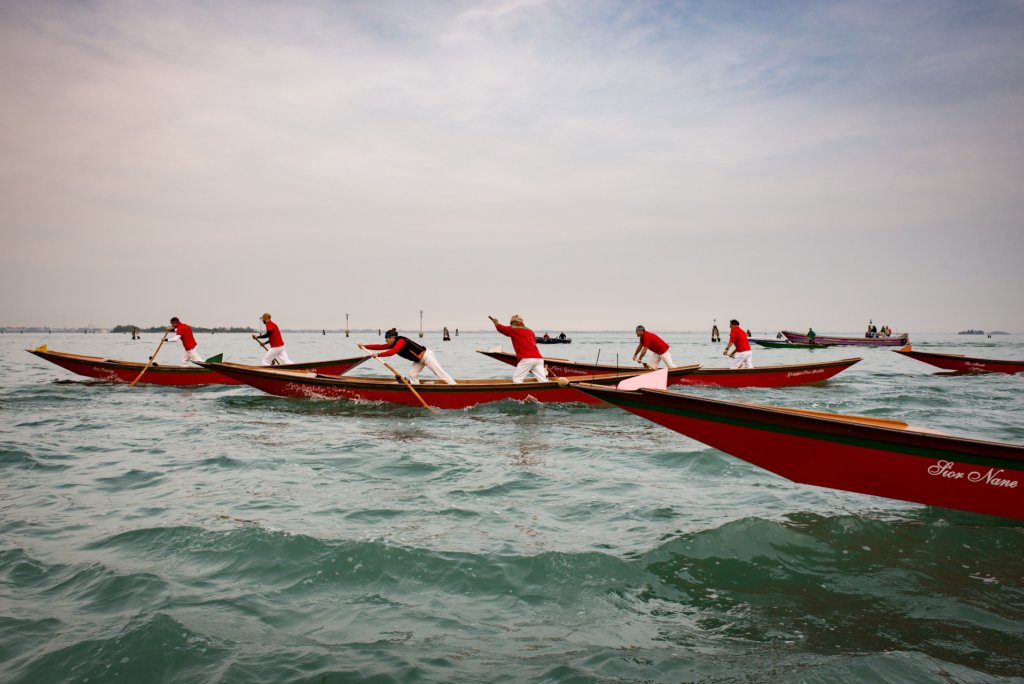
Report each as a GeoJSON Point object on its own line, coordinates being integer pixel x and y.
{"type": "Point", "coordinates": [276, 353]}
{"type": "Point", "coordinates": [656, 359]}
{"type": "Point", "coordinates": [527, 366]}
{"type": "Point", "coordinates": [742, 360]}
{"type": "Point", "coordinates": [430, 361]}
{"type": "Point", "coordinates": [191, 355]}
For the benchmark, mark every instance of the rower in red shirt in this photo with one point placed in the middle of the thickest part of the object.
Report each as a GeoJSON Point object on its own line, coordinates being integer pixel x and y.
{"type": "Point", "coordinates": [273, 334]}
{"type": "Point", "coordinates": [395, 344]}
{"type": "Point", "coordinates": [524, 342]}
{"type": "Point", "coordinates": [657, 346]}
{"type": "Point", "coordinates": [183, 333]}
{"type": "Point", "coordinates": [741, 353]}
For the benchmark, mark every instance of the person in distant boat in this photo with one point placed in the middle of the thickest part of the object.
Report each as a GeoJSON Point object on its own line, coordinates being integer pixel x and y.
{"type": "Point", "coordinates": [547, 337]}
{"type": "Point", "coordinates": [649, 342]}
{"type": "Point", "coordinates": [715, 336]}
{"type": "Point", "coordinates": [395, 344]}
{"type": "Point", "coordinates": [524, 343]}
{"type": "Point", "coordinates": [273, 334]}
{"type": "Point", "coordinates": [183, 333]}
{"type": "Point", "coordinates": [811, 335]}
{"type": "Point", "coordinates": [741, 354]}
{"type": "Point", "coordinates": [561, 335]}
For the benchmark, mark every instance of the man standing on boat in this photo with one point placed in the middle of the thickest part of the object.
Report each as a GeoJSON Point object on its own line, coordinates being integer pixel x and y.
{"type": "Point", "coordinates": [654, 344]}
{"type": "Point", "coordinates": [183, 333]}
{"type": "Point", "coordinates": [273, 334]}
{"type": "Point", "coordinates": [524, 342]}
{"type": "Point", "coordinates": [741, 353]}
{"type": "Point", "coordinates": [413, 351]}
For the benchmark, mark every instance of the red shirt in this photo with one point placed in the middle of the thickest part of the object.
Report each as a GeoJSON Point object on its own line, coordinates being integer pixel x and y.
{"type": "Point", "coordinates": [738, 338]}
{"type": "Point", "coordinates": [651, 341]}
{"type": "Point", "coordinates": [524, 342]}
{"type": "Point", "coordinates": [185, 333]}
{"type": "Point", "coordinates": [275, 334]}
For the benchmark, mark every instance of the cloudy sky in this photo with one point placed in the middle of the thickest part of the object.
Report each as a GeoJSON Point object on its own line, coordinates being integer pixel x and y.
{"type": "Point", "coordinates": [590, 164]}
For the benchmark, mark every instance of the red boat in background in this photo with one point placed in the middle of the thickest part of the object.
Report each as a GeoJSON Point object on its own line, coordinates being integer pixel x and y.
{"type": "Point", "coordinates": [877, 341]}
{"type": "Point", "coordinates": [852, 453]}
{"type": "Point", "coordinates": [157, 374]}
{"type": "Point", "coordinates": [959, 363]}
{"type": "Point", "coordinates": [765, 376]}
{"type": "Point", "coordinates": [434, 393]}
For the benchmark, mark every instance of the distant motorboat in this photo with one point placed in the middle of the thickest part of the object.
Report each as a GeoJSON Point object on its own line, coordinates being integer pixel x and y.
{"type": "Point", "coordinates": [876, 341]}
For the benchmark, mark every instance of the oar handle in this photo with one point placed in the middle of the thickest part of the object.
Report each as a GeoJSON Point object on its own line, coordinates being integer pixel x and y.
{"type": "Point", "coordinates": [151, 358]}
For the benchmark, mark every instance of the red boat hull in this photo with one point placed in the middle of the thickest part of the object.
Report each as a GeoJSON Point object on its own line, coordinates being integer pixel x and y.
{"type": "Point", "coordinates": [842, 453]}
{"type": "Point", "coordinates": [766, 376]}
{"type": "Point", "coordinates": [964, 364]}
{"type": "Point", "coordinates": [157, 374]}
{"type": "Point", "coordinates": [436, 394]}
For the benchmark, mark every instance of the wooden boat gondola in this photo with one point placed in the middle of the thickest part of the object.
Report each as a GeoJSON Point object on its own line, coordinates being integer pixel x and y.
{"type": "Point", "coordinates": [160, 374]}
{"type": "Point", "coordinates": [850, 453]}
{"type": "Point", "coordinates": [879, 341]}
{"type": "Point", "coordinates": [786, 344]}
{"type": "Point", "coordinates": [435, 393]}
{"type": "Point", "coordinates": [764, 376]}
{"type": "Point", "coordinates": [963, 364]}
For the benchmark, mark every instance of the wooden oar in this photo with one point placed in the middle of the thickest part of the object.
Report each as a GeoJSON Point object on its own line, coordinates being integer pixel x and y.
{"type": "Point", "coordinates": [400, 378]}
{"type": "Point", "coordinates": [275, 362]}
{"type": "Point", "coordinates": [151, 358]}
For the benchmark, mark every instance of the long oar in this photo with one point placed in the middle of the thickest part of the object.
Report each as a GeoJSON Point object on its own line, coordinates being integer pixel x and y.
{"type": "Point", "coordinates": [398, 376]}
{"type": "Point", "coordinates": [151, 358]}
{"type": "Point", "coordinates": [275, 362]}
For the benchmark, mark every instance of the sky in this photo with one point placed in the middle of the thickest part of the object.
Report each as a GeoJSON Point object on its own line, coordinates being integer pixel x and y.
{"type": "Point", "coordinates": [588, 164]}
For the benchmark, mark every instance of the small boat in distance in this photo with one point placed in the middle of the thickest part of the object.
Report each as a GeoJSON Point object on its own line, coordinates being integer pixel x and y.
{"type": "Point", "coordinates": [115, 370]}
{"type": "Point", "coordinates": [762, 376]}
{"type": "Point", "coordinates": [435, 393]}
{"type": "Point", "coordinates": [959, 363]}
{"type": "Point", "coordinates": [850, 453]}
{"type": "Point", "coordinates": [877, 341]}
{"type": "Point", "coordinates": [786, 344]}
{"type": "Point", "coordinates": [548, 339]}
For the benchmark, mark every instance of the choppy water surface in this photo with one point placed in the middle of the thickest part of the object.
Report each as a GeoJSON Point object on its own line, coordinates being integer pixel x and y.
{"type": "Point", "coordinates": [216, 534]}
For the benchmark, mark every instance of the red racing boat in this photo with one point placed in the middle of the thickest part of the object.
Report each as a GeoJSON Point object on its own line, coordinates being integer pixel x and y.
{"type": "Point", "coordinates": [963, 364]}
{"type": "Point", "coordinates": [158, 374]}
{"type": "Point", "coordinates": [435, 393]}
{"type": "Point", "coordinates": [765, 376]}
{"type": "Point", "coordinates": [855, 454]}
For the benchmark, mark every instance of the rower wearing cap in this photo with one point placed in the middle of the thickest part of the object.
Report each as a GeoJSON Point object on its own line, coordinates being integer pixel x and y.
{"type": "Point", "coordinates": [273, 334]}
{"type": "Point", "coordinates": [395, 344]}
{"type": "Point", "coordinates": [183, 333]}
{"type": "Point", "coordinates": [524, 342]}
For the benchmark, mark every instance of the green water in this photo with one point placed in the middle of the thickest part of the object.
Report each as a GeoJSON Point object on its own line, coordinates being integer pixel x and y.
{"type": "Point", "coordinates": [216, 534]}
